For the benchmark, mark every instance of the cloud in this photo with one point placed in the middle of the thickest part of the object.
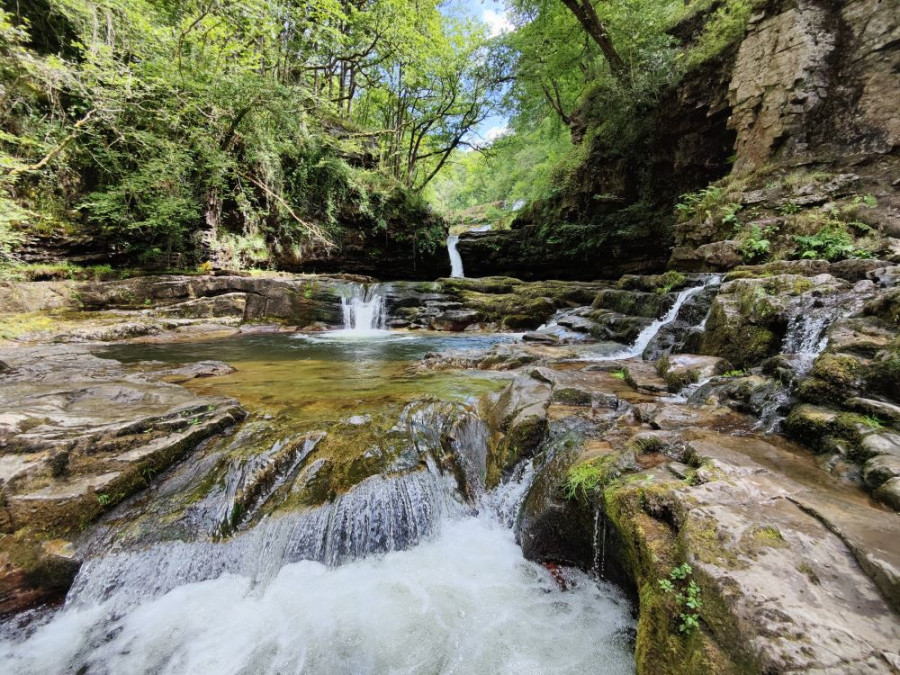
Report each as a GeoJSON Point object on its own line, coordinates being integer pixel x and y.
{"type": "Point", "coordinates": [494, 133]}
{"type": "Point", "coordinates": [484, 140]}
{"type": "Point", "coordinates": [497, 22]}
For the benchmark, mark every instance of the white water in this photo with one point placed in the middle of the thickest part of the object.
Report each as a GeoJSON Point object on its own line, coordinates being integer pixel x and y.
{"type": "Point", "coordinates": [646, 336]}
{"type": "Point", "coordinates": [463, 601]}
{"type": "Point", "coordinates": [807, 336]}
{"type": "Point", "coordinates": [456, 264]}
{"type": "Point", "coordinates": [364, 312]}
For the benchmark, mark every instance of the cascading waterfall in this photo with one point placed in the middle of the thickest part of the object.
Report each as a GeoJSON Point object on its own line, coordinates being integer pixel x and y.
{"type": "Point", "coordinates": [456, 264]}
{"type": "Point", "coordinates": [381, 514]}
{"type": "Point", "coordinates": [807, 336]}
{"type": "Point", "coordinates": [363, 309]}
{"type": "Point", "coordinates": [462, 600]}
{"type": "Point", "coordinates": [649, 332]}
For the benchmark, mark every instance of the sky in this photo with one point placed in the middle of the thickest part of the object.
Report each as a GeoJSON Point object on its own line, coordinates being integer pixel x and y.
{"type": "Point", "coordinates": [493, 14]}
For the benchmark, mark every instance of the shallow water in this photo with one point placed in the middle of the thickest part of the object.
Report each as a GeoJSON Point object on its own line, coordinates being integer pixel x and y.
{"type": "Point", "coordinates": [447, 592]}
{"type": "Point", "coordinates": [325, 376]}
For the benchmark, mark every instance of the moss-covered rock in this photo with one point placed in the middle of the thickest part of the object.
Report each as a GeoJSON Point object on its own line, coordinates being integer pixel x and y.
{"type": "Point", "coordinates": [834, 379]}
{"type": "Point", "coordinates": [741, 343]}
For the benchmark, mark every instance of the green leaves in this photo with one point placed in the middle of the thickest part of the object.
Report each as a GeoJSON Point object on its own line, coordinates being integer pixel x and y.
{"type": "Point", "coordinates": [688, 597]}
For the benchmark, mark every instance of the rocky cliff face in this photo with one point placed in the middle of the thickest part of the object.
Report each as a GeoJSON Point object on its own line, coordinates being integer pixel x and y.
{"type": "Point", "coordinates": [804, 105]}
{"type": "Point", "coordinates": [616, 215]}
{"type": "Point", "coordinates": [816, 80]}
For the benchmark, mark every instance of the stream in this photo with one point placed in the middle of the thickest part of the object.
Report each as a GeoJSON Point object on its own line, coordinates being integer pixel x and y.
{"type": "Point", "coordinates": [400, 574]}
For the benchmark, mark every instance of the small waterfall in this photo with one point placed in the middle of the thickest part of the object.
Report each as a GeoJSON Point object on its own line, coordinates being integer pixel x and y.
{"type": "Point", "coordinates": [363, 309]}
{"type": "Point", "coordinates": [380, 514]}
{"type": "Point", "coordinates": [456, 265]}
{"type": "Point", "coordinates": [807, 336]}
{"type": "Point", "coordinates": [646, 336]}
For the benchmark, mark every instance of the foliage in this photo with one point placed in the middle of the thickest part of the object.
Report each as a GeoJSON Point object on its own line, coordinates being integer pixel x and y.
{"type": "Point", "coordinates": [756, 245]}
{"type": "Point", "coordinates": [727, 25]}
{"type": "Point", "coordinates": [687, 596]}
{"type": "Point", "coordinates": [831, 243]}
{"type": "Point", "coordinates": [873, 422]}
{"type": "Point", "coordinates": [159, 127]}
{"type": "Point", "coordinates": [583, 479]}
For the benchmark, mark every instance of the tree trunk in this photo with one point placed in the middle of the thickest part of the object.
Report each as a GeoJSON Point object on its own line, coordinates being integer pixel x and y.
{"type": "Point", "coordinates": [586, 14]}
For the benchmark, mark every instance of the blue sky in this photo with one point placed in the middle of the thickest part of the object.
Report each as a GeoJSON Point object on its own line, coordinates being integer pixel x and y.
{"type": "Point", "coordinates": [493, 14]}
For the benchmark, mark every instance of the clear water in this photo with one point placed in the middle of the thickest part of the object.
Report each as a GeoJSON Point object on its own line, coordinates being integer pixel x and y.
{"type": "Point", "coordinates": [325, 376]}
{"type": "Point", "coordinates": [398, 575]}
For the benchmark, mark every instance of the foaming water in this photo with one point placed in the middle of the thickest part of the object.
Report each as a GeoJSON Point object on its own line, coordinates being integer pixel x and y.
{"type": "Point", "coordinates": [456, 264]}
{"type": "Point", "coordinates": [464, 602]}
{"type": "Point", "coordinates": [645, 337]}
{"type": "Point", "coordinates": [363, 310]}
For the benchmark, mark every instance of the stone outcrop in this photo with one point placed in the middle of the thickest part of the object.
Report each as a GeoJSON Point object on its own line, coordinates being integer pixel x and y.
{"type": "Point", "coordinates": [794, 570]}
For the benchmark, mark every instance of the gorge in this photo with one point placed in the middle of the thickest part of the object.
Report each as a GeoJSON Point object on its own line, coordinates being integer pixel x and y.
{"type": "Point", "coordinates": [343, 383]}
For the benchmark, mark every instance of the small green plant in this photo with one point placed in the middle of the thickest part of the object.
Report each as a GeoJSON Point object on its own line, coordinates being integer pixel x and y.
{"type": "Point", "coordinates": [687, 596]}
{"type": "Point", "coordinates": [734, 373]}
{"type": "Point", "coordinates": [873, 422]}
{"type": "Point", "coordinates": [756, 246]}
{"type": "Point", "coordinates": [789, 209]}
{"type": "Point", "coordinates": [620, 374]}
{"type": "Point", "coordinates": [103, 499]}
{"type": "Point", "coordinates": [830, 243]}
{"type": "Point", "coordinates": [729, 215]}
{"type": "Point", "coordinates": [869, 201]}
{"type": "Point", "coordinates": [586, 478]}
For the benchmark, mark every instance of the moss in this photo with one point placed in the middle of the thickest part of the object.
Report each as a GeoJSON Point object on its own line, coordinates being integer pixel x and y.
{"type": "Point", "coordinates": [650, 548]}
{"type": "Point", "coordinates": [882, 376]}
{"type": "Point", "coordinates": [524, 438]}
{"type": "Point", "coordinates": [572, 396]}
{"type": "Point", "coordinates": [833, 379]}
{"type": "Point", "coordinates": [821, 428]}
{"type": "Point", "coordinates": [742, 344]}
{"type": "Point", "coordinates": [676, 380]}
{"type": "Point", "coordinates": [587, 478]}
{"type": "Point", "coordinates": [707, 545]}
{"type": "Point", "coordinates": [759, 538]}
{"type": "Point", "coordinates": [648, 305]}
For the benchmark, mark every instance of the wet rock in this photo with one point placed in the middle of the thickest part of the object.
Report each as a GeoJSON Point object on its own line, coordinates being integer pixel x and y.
{"type": "Point", "coordinates": [615, 327]}
{"type": "Point", "coordinates": [545, 338]}
{"type": "Point", "coordinates": [33, 573]}
{"type": "Point", "coordinates": [225, 305]}
{"type": "Point", "coordinates": [879, 409]}
{"type": "Point", "coordinates": [881, 469]}
{"type": "Point", "coordinates": [880, 444]}
{"type": "Point", "coordinates": [195, 370]}
{"type": "Point", "coordinates": [649, 305]}
{"type": "Point", "coordinates": [889, 493]}
{"type": "Point", "coordinates": [116, 430]}
{"type": "Point", "coordinates": [520, 413]}
{"type": "Point", "coordinates": [681, 370]}
{"type": "Point", "coordinates": [455, 320]}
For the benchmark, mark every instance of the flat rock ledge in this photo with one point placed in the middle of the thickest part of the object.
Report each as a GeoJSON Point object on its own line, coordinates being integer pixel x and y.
{"type": "Point", "coordinates": [78, 434]}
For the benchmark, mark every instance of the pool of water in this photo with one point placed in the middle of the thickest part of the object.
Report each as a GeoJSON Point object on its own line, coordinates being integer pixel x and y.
{"type": "Point", "coordinates": [325, 376]}
{"type": "Point", "coordinates": [460, 598]}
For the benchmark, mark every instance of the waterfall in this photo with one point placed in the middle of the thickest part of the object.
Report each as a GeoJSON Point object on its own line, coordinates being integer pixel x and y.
{"type": "Point", "coordinates": [456, 265]}
{"type": "Point", "coordinates": [807, 337]}
{"type": "Point", "coordinates": [363, 309]}
{"type": "Point", "coordinates": [646, 336]}
{"type": "Point", "coordinates": [380, 514]}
